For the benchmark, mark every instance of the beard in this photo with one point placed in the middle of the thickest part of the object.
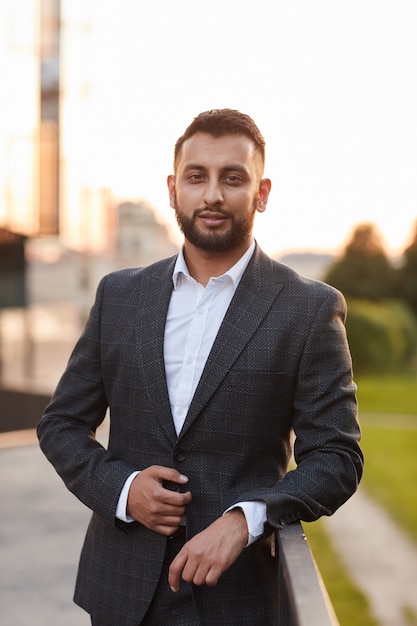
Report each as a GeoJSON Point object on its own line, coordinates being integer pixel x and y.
{"type": "Point", "coordinates": [240, 230]}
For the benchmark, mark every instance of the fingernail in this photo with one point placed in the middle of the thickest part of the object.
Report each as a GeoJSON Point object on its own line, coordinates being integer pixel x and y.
{"type": "Point", "coordinates": [184, 478]}
{"type": "Point", "coordinates": [172, 589]}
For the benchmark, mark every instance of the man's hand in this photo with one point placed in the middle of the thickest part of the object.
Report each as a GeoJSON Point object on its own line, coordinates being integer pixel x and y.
{"type": "Point", "coordinates": [152, 505]}
{"type": "Point", "coordinates": [204, 558]}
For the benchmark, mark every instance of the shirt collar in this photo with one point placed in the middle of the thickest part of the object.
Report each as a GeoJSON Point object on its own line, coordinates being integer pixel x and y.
{"type": "Point", "coordinates": [235, 272]}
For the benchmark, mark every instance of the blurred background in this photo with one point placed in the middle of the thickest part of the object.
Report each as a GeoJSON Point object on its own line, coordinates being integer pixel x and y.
{"type": "Point", "coordinates": [95, 94]}
{"type": "Point", "coordinates": [93, 97]}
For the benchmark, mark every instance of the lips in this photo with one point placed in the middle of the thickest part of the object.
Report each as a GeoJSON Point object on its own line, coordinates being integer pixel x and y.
{"type": "Point", "coordinates": [211, 218]}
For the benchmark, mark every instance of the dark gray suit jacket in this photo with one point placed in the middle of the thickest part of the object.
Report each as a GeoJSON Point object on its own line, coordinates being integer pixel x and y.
{"type": "Point", "coordinates": [280, 362]}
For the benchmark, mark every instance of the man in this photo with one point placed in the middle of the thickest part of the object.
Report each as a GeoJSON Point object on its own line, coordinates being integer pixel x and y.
{"type": "Point", "coordinates": [207, 361]}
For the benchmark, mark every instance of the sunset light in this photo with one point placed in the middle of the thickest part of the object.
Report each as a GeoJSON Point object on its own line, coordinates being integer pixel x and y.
{"type": "Point", "coordinates": [197, 363]}
{"type": "Point", "coordinates": [332, 86]}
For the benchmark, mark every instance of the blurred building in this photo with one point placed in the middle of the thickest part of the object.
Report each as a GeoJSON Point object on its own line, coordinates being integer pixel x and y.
{"type": "Point", "coordinates": [53, 195]}
{"type": "Point", "coordinates": [20, 116]}
{"type": "Point", "coordinates": [52, 166]}
{"type": "Point", "coordinates": [57, 273]}
{"type": "Point", "coordinates": [29, 123]}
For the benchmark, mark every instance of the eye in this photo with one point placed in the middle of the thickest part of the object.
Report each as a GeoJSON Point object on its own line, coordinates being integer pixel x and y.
{"type": "Point", "coordinates": [195, 178]}
{"type": "Point", "coordinates": [232, 179]}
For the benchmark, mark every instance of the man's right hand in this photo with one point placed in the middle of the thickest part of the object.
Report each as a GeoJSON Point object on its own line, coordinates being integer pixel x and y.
{"type": "Point", "coordinates": [152, 505]}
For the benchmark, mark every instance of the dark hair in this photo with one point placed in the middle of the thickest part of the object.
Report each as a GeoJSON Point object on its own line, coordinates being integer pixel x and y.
{"type": "Point", "coordinates": [220, 122]}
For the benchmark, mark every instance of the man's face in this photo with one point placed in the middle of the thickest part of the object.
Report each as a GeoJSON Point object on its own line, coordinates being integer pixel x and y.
{"type": "Point", "coordinates": [216, 191]}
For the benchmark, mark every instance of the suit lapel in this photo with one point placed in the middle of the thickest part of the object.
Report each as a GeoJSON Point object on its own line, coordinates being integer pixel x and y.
{"type": "Point", "coordinates": [253, 299]}
{"type": "Point", "coordinates": [155, 295]}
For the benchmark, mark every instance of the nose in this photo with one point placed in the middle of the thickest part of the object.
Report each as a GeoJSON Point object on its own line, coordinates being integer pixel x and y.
{"type": "Point", "coordinates": [213, 193]}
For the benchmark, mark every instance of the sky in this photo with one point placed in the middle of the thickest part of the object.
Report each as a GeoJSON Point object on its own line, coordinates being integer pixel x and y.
{"type": "Point", "coordinates": [331, 84]}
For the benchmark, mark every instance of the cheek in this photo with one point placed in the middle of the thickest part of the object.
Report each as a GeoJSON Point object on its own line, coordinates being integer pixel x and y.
{"type": "Point", "coordinates": [188, 198]}
{"type": "Point", "coordinates": [243, 201]}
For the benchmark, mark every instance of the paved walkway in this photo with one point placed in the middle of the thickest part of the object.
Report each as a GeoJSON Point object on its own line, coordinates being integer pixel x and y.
{"type": "Point", "coordinates": [42, 529]}
{"type": "Point", "coordinates": [384, 565]}
{"type": "Point", "coordinates": [41, 532]}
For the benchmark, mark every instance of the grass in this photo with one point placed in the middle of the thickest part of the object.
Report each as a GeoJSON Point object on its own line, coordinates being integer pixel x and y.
{"type": "Point", "coordinates": [389, 423]}
{"type": "Point", "coordinates": [410, 616]}
{"type": "Point", "coordinates": [396, 395]}
{"type": "Point", "coordinates": [388, 414]}
{"type": "Point", "coordinates": [349, 603]}
{"type": "Point", "coordinates": [390, 475]}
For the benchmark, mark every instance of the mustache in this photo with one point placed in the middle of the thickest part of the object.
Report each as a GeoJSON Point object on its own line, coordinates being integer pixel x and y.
{"type": "Point", "coordinates": [212, 209]}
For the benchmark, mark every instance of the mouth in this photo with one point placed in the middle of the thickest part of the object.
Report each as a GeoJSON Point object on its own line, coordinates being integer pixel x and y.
{"type": "Point", "coordinates": [212, 219]}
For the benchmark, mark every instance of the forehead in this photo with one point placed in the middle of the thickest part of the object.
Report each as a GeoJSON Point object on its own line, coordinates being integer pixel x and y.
{"type": "Point", "coordinates": [206, 150]}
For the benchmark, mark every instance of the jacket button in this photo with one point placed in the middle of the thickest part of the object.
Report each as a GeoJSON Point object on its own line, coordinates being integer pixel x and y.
{"type": "Point", "coordinates": [179, 456]}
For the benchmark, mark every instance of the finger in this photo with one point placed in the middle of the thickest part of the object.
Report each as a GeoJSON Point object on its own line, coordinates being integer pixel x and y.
{"type": "Point", "coordinates": [196, 575]}
{"type": "Point", "coordinates": [206, 556]}
{"type": "Point", "coordinates": [162, 520]}
{"type": "Point", "coordinates": [167, 473]}
{"type": "Point", "coordinates": [175, 499]}
{"type": "Point", "coordinates": [151, 505]}
{"type": "Point", "coordinates": [175, 571]}
{"type": "Point", "coordinates": [212, 577]}
{"type": "Point", "coordinates": [164, 529]}
{"type": "Point", "coordinates": [201, 573]}
{"type": "Point", "coordinates": [147, 485]}
{"type": "Point", "coordinates": [200, 569]}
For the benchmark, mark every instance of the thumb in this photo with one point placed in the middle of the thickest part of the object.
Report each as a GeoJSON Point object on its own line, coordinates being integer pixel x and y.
{"type": "Point", "coordinates": [170, 474]}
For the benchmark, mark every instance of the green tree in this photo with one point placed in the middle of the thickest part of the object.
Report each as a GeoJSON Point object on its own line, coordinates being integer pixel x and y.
{"type": "Point", "coordinates": [408, 273]}
{"type": "Point", "coordinates": [382, 336]}
{"type": "Point", "coordinates": [363, 271]}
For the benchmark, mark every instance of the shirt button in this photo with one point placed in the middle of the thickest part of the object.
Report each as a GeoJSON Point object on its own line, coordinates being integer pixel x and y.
{"type": "Point", "coordinates": [188, 360]}
{"type": "Point", "coordinates": [180, 410]}
{"type": "Point", "coordinates": [201, 312]}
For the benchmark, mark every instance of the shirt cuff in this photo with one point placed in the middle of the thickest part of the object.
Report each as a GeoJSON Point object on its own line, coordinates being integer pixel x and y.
{"type": "Point", "coordinates": [121, 510]}
{"type": "Point", "coordinates": [255, 514]}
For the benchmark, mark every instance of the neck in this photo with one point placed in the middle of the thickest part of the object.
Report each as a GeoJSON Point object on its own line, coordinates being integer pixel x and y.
{"type": "Point", "coordinates": [204, 265]}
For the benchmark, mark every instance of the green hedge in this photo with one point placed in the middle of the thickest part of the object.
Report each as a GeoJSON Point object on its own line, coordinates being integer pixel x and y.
{"type": "Point", "coordinates": [382, 336]}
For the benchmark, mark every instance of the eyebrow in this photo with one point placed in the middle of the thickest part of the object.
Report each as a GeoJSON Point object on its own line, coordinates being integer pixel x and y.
{"type": "Point", "coordinates": [226, 168]}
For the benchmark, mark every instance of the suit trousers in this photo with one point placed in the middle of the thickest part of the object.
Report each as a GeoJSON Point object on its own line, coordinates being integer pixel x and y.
{"type": "Point", "coordinates": [167, 607]}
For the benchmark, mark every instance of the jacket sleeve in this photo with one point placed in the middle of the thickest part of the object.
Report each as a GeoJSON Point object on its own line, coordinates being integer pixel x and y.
{"type": "Point", "coordinates": [67, 429]}
{"type": "Point", "coordinates": [328, 459]}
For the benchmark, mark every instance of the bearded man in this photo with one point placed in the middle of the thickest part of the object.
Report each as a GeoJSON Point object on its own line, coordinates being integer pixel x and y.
{"type": "Point", "coordinates": [207, 362]}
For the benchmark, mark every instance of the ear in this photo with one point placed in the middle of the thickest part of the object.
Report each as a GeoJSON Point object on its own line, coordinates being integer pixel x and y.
{"type": "Point", "coordinates": [263, 194]}
{"type": "Point", "coordinates": [171, 190]}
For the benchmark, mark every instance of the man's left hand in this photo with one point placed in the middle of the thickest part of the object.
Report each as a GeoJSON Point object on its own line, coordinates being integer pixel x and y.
{"type": "Point", "coordinates": [204, 558]}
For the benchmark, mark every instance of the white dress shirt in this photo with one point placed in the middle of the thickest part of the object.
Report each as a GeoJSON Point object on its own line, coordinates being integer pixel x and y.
{"type": "Point", "coordinates": [195, 314]}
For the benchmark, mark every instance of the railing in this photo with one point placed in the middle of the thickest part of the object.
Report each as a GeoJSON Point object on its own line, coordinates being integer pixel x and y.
{"type": "Point", "coordinates": [21, 409]}
{"type": "Point", "coordinates": [303, 599]}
